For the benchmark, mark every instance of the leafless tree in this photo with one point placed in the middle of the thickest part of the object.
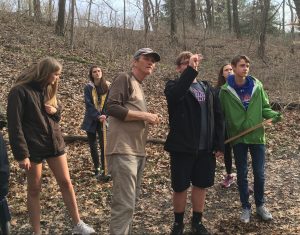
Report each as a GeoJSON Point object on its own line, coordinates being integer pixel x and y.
{"type": "Point", "coordinates": [173, 19]}
{"type": "Point", "coordinates": [60, 24]}
{"type": "Point", "coordinates": [37, 10]}
{"type": "Point", "coordinates": [30, 7]}
{"type": "Point", "coordinates": [19, 5]}
{"type": "Point", "coordinates": [265, 6]}
{"type": "Point", "coordinates": [146, 19]}
{"type": "Point", "coordinates": [155, 11]}
{"type": "Point", "coordinates": [297, 5]}
{"type": "Point", "coordinates": [236, 21]}
{"type": "Point", "coordinates": [89, 13]}
{"type": "Point", "coordinates": [228, 5]}
{"type": "Point", "coordinates": [50, 12]}
{"type": "Point", "coordinates": [209, 13]}
{"type": "Point", "coordinates": [292, 18]}
{"type": "Point", "coordinates": [283, 16]}
{"type": "Point", "coordinates": [193, 12]}
{"type": "Point", "coordinates": [202, 15]}
{"type": "Point", "coordinates": [124, 15]}
{"type": "Point", "coordinates": [72, 23]}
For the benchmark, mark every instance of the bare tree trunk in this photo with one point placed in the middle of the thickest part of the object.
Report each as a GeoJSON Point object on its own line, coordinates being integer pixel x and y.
{"type": "Point", "coordinates": [154, 17]}
{"type": "Point", "coordinates": [292, 18]}
{"type": "Point", "coordinates": [146, 19]}
{"type": "Point", "coordinates": [209, 14]}
{"type": "Point", "coordinates": [297, 5]}
{"type": "Point", "coordinates": [236, 21]}
{"type": "Point", "coordinates": [193, 12]}
{"type": "Point", "coordinates": [60, 24]}
{"type": "Point", "coordinates": [50, 15]}
{"type": "Point", "coordinates": [265, 6]}
{"type": "Point", "coordinates": [157, 11]}
{"type": "Point", "coordinates": [283, 16]}
{"type": "Point", "coordinates": [30, 7]}
{"type": "Point", "coordinates": [228, 4]}
{"type": "Point", "coordinates": [183, 23]}
{"type": "Point", "coordinates": [202, 17]}
{"type": "Point", "coordinates": [37, 10]}
{"type": "Point", "coordinates": [124, 19]}
{"type": "Point", "coordinates": [212, 14]}
{"type": "Point", "coordinates": [89, 13]}
{"type": "Point", "coordinates": [72, 24]}
{"type": "Point", "coordinates": [19, 5]}
{"type": "Point", "coordinates": [173, 20]}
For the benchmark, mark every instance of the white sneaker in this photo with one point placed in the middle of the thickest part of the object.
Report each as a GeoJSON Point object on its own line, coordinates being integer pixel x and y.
{"type": "Point", "coordinates": [245, 215]}
{"type": "Point", "coordinates": [82, 229]}
{"type": "Point", "coordinates": [263, 213]}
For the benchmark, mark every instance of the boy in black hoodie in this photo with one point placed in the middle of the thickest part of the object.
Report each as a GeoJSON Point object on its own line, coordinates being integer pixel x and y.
{"type": "Point", "coordinates": [195, 139]}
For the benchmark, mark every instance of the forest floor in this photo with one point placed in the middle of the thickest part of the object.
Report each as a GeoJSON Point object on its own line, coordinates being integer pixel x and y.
{"type": "Point", "coordinates": [22, 42]}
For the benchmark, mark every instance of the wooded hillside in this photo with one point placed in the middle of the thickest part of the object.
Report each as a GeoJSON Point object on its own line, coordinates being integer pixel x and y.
{"type": "Point", "coordinates": [23, 40]}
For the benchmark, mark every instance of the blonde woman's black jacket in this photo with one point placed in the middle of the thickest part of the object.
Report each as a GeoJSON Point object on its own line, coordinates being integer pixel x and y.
{"type": "Point", "coordinates": [185, 114]}
{"type": "Point", "coordinates": [32, 131]}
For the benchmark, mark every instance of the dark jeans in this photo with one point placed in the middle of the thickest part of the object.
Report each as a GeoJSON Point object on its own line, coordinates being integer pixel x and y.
{"type": "Point", "coordinates": [4, 176]}
{"type": "Point", "coordinates": [92, 139]}
{"type": "Point", "coordinates": [228, 158]}
{"type": "Point", "coordinates": [257, 152]}
{"type": "Point", "coordinates": [4, 169]}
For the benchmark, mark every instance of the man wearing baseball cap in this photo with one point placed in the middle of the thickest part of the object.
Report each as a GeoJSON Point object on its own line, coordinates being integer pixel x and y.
{"type": "Point", "coordinates": [126, 137]}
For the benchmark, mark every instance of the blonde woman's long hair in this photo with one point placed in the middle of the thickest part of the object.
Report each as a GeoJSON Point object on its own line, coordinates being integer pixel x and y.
{"type": "Point", "coordinates": [40, 73]}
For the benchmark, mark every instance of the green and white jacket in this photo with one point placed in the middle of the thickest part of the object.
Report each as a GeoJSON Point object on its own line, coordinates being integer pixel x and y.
{"type": "Point", "coordinates": [238, 119]}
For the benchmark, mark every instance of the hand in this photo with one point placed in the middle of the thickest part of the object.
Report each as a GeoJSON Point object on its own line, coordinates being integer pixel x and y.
{"type": "Point", "coordinates": [269, 122]}
{"type": "Point", "coordinates": [50, 109]}
{"type": "Point", "coordinates": [195, 61]}
{"type": "Point", "coordinates": [102, 118]}
{"type": "Point", "coordinates": [25, 164]}
{"type": "Point", "coordinates": [152, 118]}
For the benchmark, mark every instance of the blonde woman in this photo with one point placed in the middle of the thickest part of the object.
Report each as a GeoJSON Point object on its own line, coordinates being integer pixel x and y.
{"type": "Point", "coordinates": [33, 113]}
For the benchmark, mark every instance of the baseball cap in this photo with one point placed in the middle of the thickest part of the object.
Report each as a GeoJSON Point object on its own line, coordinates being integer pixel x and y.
{"type": "Point", "coordinates": [146, 51]}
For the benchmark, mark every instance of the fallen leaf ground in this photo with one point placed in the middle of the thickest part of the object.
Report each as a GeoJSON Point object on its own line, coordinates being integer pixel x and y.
{"type": "Point", "coordinates": [23, 41]}
{"type": "Point", "coordinates": [154, 211]}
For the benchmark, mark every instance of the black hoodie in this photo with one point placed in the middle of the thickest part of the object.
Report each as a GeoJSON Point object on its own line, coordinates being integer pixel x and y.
{"type": "Point", "coordinates": [185, 114]}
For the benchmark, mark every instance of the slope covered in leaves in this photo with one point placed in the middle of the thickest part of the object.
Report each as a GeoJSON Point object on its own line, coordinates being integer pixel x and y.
{"type": "Point", "coordinates": [23, 42]}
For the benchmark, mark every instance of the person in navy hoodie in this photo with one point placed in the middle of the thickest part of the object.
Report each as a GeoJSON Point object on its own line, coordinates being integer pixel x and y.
{"type": "Point", "coordinates": [94, 96]}
{"type": "Point", "coordinates": [4, 177]}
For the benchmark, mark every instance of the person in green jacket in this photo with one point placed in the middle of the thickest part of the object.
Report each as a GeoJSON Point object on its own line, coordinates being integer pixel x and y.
{"type": "Point", "coordinates": [245, 104]}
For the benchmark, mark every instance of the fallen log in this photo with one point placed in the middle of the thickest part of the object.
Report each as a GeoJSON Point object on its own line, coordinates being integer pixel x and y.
{"type": "Point", "coordinates": [72, 138]}
{"type": "Point", "coordinates": [283, 106]}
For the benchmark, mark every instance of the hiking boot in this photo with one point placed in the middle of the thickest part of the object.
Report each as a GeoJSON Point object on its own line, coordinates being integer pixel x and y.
{"type": "Point", "coordinates": [228, 180]}
{"type": "Point", "coordinates": [82, 229]}
{"type": "Point", "coordinates": [263, 213]}
{"type": "Point", "coordinates": [245, 215]}
{"type": "Point", "coordinates": [177, 229]}
{"type": "Point", "coordinates": [199, 229]}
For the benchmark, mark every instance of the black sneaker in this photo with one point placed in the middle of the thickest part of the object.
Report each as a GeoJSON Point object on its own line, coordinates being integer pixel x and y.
{"type": "Point", "coordinates": [199, 229]}
{"type": "Point", "coordinates": [177, 229]}
{"type": "Point", "coordinates": [104, 178]}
